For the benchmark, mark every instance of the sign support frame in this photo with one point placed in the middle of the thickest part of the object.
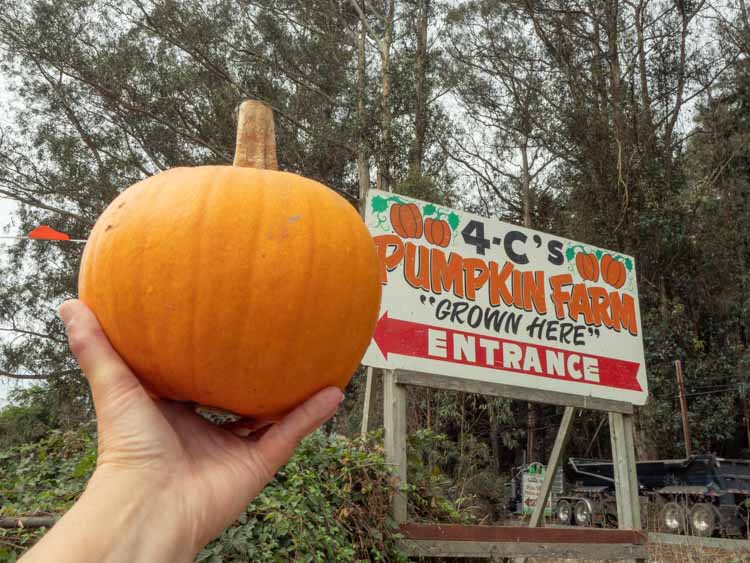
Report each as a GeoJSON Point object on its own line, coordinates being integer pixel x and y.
{"type": "Point", "coordinates": [440, 544]}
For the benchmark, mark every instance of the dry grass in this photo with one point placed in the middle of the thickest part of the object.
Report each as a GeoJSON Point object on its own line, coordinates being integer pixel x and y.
{"type": "Point", "coordinates": [662, 553]}
{"type": "Point", "coordinates": [692, 554]}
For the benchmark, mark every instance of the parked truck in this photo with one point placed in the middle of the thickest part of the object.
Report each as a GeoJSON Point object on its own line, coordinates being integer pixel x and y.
{"type": "Point", "coordinates": [702, 495]}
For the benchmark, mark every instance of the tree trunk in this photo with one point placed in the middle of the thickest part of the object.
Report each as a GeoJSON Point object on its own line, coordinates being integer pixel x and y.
{"type": "Point", "coordinates": [384, 175]}
{"type": "Point", "coordinates": [532, 417]}
{"type": "Point", "coordinates": [494, 435]}
{"type": "Point", "coordinates": [420, 87]}
{"type": "Point", "coordinates": [363, 167]}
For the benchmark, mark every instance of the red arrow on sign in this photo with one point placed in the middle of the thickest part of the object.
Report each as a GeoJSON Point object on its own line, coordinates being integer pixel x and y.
{"type": "Point", "coordinates": [405, 338]}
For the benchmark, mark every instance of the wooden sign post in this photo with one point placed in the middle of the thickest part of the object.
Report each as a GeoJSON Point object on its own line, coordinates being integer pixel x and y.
{"type": "Point", "coordinates": [481, 306]}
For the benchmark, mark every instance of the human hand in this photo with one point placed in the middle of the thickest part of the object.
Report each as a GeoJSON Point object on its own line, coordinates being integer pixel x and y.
{"type": "Point", "coordinates": [179, 476]}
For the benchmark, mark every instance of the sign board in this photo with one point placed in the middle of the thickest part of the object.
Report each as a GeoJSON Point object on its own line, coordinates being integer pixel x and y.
{"type": "Point", "coordinates": [531, 488]}
{"type": "Point", "coordinates": [480, 299]}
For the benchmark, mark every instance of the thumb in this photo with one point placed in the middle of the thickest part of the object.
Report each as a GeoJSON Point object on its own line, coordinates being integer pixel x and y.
{"type": "Point", "coordinates": [277, 445]}
{"type": "Point", "coordinates": [107, 374]}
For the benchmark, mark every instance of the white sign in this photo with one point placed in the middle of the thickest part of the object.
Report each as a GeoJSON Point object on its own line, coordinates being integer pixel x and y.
{"type": "Point", "coordinates": [480, 299]}
{"type": "Point", "coordinates": [531, 488]}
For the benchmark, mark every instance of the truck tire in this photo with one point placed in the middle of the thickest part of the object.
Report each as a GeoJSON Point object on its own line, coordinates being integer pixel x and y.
{"type": "Point", "coordinates": [564, 513]}
{"type": "Point", "coordinates": [703, 519]}
{"type": "Point", "coordinates": [584, 512]}
{"type": "Point", "coordinates": [673, 518]}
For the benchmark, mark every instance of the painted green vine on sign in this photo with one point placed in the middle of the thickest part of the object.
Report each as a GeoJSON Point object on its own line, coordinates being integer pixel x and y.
{"type": "Point", "coordinates": [380, 206]}
{"type": "Point", "coordinates": [451, 216]}
{"type": "Point", "coordinates": [570, 254]}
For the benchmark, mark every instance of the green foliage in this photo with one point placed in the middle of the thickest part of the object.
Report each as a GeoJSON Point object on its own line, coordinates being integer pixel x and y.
{"type": "Point", "coordinates": [433, 494]}
{"type": "Point", "coordinates": [421, 187]}
{"type": "Point", "coordinates": [329, 503]}
{"type": "Point", "coordinates": [29, 415]}
{"type": "Point", "coordinates": [43, 478]}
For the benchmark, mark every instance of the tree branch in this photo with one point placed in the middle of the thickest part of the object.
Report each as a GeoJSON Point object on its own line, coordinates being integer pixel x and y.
{"type": "Point", "coordinates": [37, 376]}
{"type": "Point", "coordinates": [23, 522]}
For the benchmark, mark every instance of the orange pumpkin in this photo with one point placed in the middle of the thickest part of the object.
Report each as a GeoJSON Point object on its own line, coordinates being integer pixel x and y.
{"type": "Point", "coordinates": [406, 220]}
{"type": "Point", "coordinates": [232, 286]}
{"type": "Point", "coordinates": [437, 232]}
{"type": "Point", "coordinates": [613, 271]}
{"type": "Point", "coordinates": [588, 266]}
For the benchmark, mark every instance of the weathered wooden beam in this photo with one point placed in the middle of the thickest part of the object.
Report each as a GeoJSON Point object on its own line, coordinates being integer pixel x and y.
{"type": "Point", "coordinates": [495, 550]}
{"type": "Point", "coordinates": [520, 534]}
{"type": "Point", "coordinates": [626, 477]}
{"type": "Point", "coordinates": [563, 433]}
{"type": "Point", "coordinates": [510, 392]}
{"type": "Point", "coordinates": [394, 421]}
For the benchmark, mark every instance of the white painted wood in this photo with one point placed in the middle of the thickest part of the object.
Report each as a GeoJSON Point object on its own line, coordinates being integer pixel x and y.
{"type": "Point", "coordinates": [418, 330]}
{"type": "Point", "coordinates": [449, 383]}
{"type": "Point", "coordinates": [394, 421]}
{"type": "Point", "coordinates": [366, 406]}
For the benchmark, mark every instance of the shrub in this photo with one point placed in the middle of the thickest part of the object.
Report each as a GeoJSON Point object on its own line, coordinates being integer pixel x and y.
{"type": "Point", "coordinates": [329, 503]}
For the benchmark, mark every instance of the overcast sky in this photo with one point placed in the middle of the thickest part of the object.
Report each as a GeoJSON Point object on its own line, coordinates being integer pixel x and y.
{"type": "Point", "coordinates": [6, 209]}
{"type": "Point", "coordinates": [7, 206]}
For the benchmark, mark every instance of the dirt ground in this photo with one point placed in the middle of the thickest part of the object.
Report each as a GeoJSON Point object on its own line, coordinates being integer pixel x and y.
{"type": "Point", "coordinates": [661, 553]}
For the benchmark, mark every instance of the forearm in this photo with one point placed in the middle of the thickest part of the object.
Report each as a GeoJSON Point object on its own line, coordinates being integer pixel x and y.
{"type": "Point", "coordinates": [113, 522]}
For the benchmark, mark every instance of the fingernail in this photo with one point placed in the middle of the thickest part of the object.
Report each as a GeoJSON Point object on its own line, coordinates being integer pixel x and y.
{"type": "Point", "coordinates": [341, 400]}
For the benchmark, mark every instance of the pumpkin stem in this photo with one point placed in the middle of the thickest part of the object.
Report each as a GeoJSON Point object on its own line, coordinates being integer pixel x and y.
{"type": "Point", "coordinates": [256, 137]}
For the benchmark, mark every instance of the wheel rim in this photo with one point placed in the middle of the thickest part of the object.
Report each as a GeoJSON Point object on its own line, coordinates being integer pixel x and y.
{"type": "Point", "coordinates": [582, 512]}
{"type": "Point", "coordinates": [673, 518]}
{"type": "Point", "coordinates": [563, 512]}
{"type": "Point", "coordinates": [702, 519]}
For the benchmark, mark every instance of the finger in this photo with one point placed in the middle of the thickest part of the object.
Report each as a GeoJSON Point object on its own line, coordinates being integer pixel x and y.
{"type": "Point", "coordinates": [277, 445]}
{"type": "Point", "coordinates": [247, 426]}
{"type": "Point", "coordinates": [101, 365]}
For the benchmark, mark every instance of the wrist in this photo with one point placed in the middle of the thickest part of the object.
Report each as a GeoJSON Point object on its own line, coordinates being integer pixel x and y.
{"type": "Point", "coordinates": [148, 509]}
{"type": "Point", "coordinates": [122, 517]}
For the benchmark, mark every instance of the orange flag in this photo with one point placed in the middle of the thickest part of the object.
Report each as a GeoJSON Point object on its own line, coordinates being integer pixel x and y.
{"type": "Point", "coordinates": [47, 233]}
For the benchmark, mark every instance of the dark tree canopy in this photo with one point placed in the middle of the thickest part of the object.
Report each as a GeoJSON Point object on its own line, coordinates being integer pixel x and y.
{"type": "Point", "coordinates": [622, 124]}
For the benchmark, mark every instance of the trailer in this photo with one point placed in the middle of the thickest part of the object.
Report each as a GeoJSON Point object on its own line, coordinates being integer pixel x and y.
{"type": "Point", "coordinates": [702, 495]}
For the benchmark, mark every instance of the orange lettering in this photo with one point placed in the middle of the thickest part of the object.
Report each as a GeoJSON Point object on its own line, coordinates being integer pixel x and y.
{"type": "Point", "coordinates": [517, 290]}
{"type": "Point", "coordinates": [421, 279]}
{"type": "Point", "coordinates": [623, 312]}
{"type": "Point", "coordinates": [560, 297]}
{"type": "Point", "coordinates": [498, 288]}
{"type": "Point", "coordinates": [579, 304]}
{"type": "Point", "coordinates": [600, 306]}
{"type": "Point", "coordinates": [476, 273]}
{"type": "Point", "coordinates": [447, 275]}
{"type": "Point", "coordinates": [533, 291]}
{"type": "Point", "coordinates": [388, 262]}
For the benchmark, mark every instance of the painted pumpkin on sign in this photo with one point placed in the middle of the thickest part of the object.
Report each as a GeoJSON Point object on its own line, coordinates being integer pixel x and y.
{"type": "Point", "coordinates": [406, 220]}
{"type": "Point", "coordinates": [235, 287]}
{"type": "Point", "coordinates": [613, 271]}
{"type": "Point", "coordinates": [588, 266]}
{"type": "Point", "coordinates": [437, 232]}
